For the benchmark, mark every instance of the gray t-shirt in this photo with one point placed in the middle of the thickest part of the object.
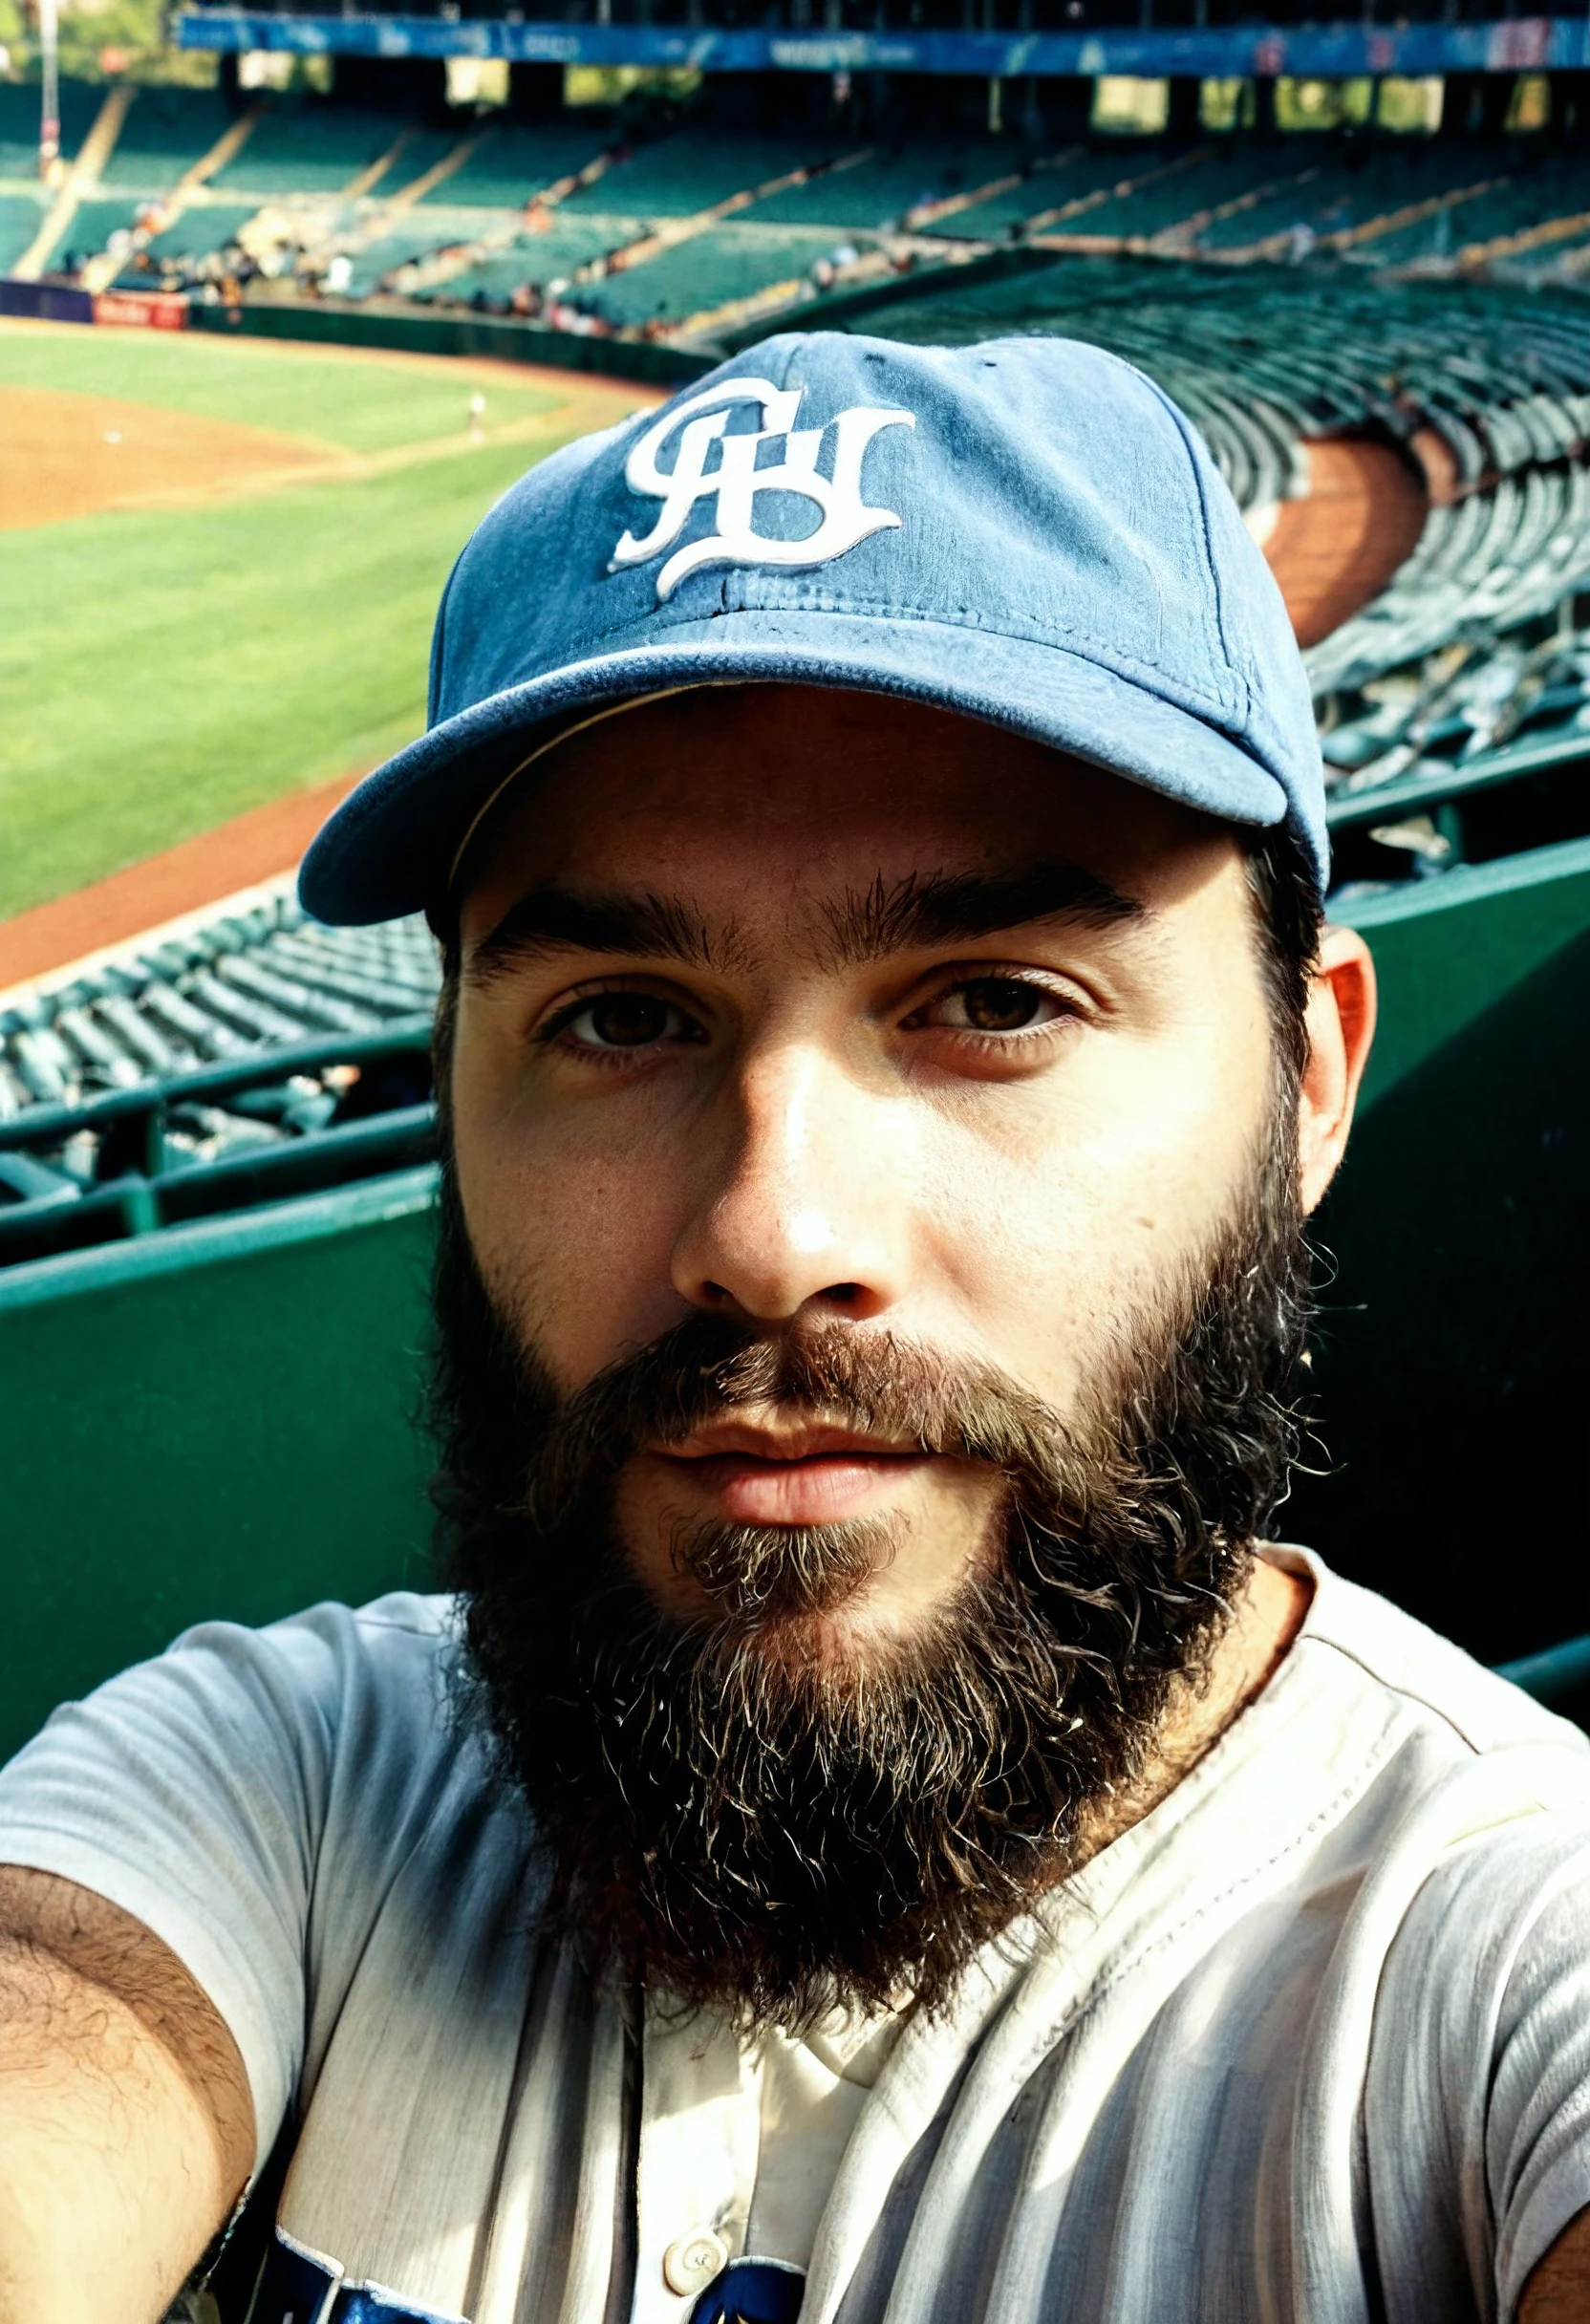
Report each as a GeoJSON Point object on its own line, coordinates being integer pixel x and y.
{"type": "Point", "coordinates": [1311, 2041]}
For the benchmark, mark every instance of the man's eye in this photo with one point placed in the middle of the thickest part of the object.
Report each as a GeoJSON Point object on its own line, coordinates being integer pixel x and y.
{"type": "Point", "coordinates": [996, 1005]}
{"type": "Point", "coordinates": [623, 1020]}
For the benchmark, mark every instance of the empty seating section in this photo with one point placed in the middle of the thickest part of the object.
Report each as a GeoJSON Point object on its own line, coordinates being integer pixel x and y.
{"type": "Point", "coordinates": [313, 151]}
{"type": "Point", "coordinates": [211, 226]}
{"type": "Point", "coordinates": [258, 1059]}
{"type": "Point", "coordinates": [539, 260]}
{"type": "Point", "coordinates": [1530, 196]}
{"type": "Point", "coordinates": [679, 175]}
{"type": "Point", "coordinates": [1158, 199]}
{"type": "Point", "coordinates": [418, 155]}
{"type": "Point", "coordinates": [166, 131]}
{"type": "Point", "coordinates": [1132, 193]}
{"type": "Point", "coordinates": [1458, 714]}
{"type": "Point", "coordinates": [879, 189]}
{"type": "Point", "coordinates": [419, 234]}
{"type": "Point", "coordinates": [21, 215]}
{"type": "Point", "coordinates": [19, 118]}
{"type": "Point", "coordinates": [510, 166]}
{"type": "Point", "coordinates": [1045, 181]}
{"type": "Point", "coordinates": [726, 263]}
{"type": "Point", "coordinates": [1351, 196]}
{"type": "Point", "coordinates": [19, 124]}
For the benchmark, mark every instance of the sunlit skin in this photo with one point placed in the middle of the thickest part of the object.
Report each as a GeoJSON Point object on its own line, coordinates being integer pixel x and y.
{"type": "Point", "coordinates": [999, 1138]}
{"type": "Point", "coordinates": [798, 1135]}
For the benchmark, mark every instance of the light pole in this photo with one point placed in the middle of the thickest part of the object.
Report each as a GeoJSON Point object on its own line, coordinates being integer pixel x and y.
{"type": "Point", "coordinates": [50, 106]}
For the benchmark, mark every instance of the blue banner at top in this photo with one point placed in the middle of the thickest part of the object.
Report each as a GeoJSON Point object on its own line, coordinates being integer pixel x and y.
{"type": "Point", "coordinates": [1330, 52]}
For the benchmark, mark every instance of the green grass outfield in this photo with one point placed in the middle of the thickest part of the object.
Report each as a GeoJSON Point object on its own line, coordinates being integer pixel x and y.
{"type": "Point", "coordinates": [164, 670]}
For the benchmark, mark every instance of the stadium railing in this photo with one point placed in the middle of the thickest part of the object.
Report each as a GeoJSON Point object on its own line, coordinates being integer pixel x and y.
{"type": "Point", "coordinates": [289, 1120]}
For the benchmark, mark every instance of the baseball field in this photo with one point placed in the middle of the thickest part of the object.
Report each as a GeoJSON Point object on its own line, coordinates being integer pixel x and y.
{"type": "Point", "coordinates": [222, 563]}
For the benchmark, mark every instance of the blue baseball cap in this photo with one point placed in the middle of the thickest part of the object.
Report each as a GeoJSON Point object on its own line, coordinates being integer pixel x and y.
{"type": "Point", "coordinates": [1027, 532]}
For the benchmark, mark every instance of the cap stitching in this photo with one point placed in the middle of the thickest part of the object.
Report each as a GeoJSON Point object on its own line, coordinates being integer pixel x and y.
{"type": "Point", "coordinates": [1233, 664]}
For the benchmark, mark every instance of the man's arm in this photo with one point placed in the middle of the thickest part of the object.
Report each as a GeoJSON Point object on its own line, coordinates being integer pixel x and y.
{"type": "Point", "coordinates": [1558, 2289]}
{"type": "Point", "coordinates": [126, 2123]}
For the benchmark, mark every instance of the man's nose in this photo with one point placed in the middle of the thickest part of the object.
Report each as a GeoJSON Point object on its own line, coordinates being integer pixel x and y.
{"type": "Point", "coordinates": [805, 1207]}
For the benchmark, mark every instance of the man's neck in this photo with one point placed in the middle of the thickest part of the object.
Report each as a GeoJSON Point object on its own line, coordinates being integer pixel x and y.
{"type": "Point", "coordinates": [1269, 1612]}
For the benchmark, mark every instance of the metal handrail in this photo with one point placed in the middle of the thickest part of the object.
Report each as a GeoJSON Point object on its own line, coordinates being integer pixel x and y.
{"type": "Point", "coordinates": [48, 1125]}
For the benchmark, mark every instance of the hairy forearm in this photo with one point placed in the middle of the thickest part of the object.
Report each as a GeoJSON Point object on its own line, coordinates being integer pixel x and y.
{"type": "Point", "coordinates": [111, 2176]}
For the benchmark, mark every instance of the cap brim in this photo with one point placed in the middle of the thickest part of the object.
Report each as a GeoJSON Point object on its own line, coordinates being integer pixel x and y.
{"type": "Point", "coordinates": [389, 847]}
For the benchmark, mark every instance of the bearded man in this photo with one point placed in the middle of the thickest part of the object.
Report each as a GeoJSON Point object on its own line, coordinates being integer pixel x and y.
{"type": "Point", "coordinates": [877, 1831]}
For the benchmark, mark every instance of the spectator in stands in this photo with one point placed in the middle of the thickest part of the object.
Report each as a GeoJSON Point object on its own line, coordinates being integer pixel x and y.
{"type": "Point", "coordinates": [884, 1830]}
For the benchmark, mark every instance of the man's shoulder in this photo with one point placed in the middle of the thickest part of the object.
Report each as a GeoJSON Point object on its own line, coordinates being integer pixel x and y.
{"type": "Point", "coordinates": [405, 1629]}
{"type": "Point", "coordinates": [354, 1674]}
{"type": "Point", "coordinates": [420, 1614]}
{"type": "Point", "coordinates": [1439, 1687]}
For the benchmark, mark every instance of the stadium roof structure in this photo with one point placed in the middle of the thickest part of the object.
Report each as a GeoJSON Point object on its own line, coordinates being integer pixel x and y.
{"type": "Point", "coordinates": [1266, 49]}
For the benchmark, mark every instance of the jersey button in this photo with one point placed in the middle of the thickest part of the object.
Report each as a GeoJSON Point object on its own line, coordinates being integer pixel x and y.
{"type": "Point", "coordinates": [692, 2261]}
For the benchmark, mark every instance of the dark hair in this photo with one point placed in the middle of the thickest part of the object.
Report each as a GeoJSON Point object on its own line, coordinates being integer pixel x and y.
{"type": "Point", "coordinates": [1291, 917]}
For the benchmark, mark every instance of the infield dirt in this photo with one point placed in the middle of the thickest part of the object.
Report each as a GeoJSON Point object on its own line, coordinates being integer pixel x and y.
{"type": "Point", "coordinates": [65, 454]}
{"type": "Point", "coordinates": [69, 452]}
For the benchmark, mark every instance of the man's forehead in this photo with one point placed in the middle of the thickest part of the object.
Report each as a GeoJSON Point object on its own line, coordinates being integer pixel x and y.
{"type": "Point", "coordinates": [771, 802]}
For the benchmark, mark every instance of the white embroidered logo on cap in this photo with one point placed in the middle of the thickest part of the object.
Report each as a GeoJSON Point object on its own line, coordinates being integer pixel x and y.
{"type": "Point", "coordinates": [843, 517]}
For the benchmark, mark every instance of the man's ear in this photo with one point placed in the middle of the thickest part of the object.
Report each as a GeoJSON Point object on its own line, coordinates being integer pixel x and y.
{"type": "Point", "coordinates": [1340, 1025]}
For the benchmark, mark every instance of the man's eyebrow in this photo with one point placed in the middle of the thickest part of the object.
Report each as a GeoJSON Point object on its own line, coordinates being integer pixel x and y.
{"type": "Point", "coordinates": [647, 926]}
{"type": "Point", "coordinates": [925, 911]}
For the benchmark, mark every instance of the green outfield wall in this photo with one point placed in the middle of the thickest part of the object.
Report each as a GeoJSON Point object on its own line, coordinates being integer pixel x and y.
{"type": "Point", "coordinates": [220, 1419]}
{"type": "Point", "coordinates": [329, 322]}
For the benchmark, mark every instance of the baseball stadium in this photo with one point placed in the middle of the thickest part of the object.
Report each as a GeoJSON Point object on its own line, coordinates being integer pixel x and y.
{"type": "Point", "coordinates": [584, 1915]}
{"type": "Point", "coordinates": [290, 299]}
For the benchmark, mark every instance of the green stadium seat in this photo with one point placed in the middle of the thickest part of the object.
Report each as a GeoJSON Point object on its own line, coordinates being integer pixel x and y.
{"type": "Point", "coordinates": [726, 263]}
{"type": "Point", "coordinates": [680, 175]}
{"type": "Point", "coordinates": [21, 215]}
{"type": "Point", "coordinates": [19, 123]}
{"type": "Point", "coordinates": [511, 164]}
{"type": "Point", "coordinates": [166, 132]}
{"type": "Point", "coordinates": [204, 227]}
{"type": "Point", "coordinates": [308, 149]}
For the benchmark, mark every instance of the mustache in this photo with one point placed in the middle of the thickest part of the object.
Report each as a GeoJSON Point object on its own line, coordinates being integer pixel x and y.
{"type": "Point", "coordinates": [736, 1812]}
{"type": "Point", "coordinates": [875, 1383]}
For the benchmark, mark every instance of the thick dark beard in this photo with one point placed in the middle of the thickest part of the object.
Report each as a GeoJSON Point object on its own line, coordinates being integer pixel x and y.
{"type": "Point", "coordinates": [741, 1820]}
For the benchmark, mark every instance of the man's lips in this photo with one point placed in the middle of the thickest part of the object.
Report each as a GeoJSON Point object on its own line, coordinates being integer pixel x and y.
{"type": "Point", "coordinates": [797, 1476]}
